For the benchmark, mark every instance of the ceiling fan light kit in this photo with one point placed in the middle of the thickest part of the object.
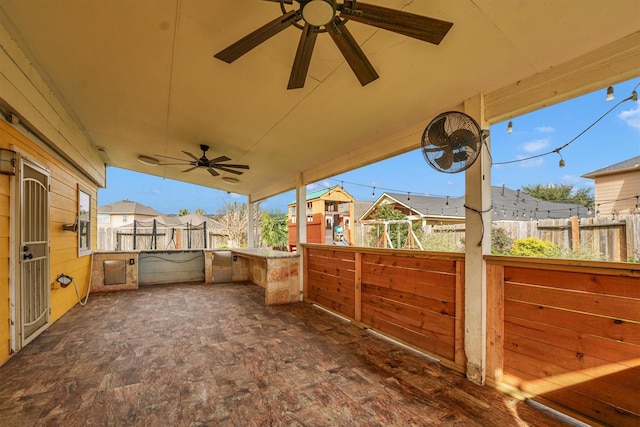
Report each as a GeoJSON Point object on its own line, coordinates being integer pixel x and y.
{"type": "Point", "coordinates": [329, 16]}
{"type": "Point", "coordinates": [319, 12]}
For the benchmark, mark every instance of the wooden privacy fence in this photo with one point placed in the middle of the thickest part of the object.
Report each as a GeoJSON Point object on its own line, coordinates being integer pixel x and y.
{"type": "Point", "coordinates": [567, 334]}
{"type": "Point", "coordinates": [610, 238]}
{"type": "Point", "coordinates": [413, 296]}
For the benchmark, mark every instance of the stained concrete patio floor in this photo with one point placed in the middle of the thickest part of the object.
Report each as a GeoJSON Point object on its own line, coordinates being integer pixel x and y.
{"type": "Point", "coordinates": [215, 355]}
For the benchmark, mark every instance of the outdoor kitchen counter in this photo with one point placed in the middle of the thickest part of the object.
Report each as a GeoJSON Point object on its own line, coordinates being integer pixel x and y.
{"type": "Point", "coordinates": [275, 271]}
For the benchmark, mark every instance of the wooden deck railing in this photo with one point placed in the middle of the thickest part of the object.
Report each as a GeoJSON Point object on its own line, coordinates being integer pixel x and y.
{"type": "Point", "coordinates": [567, 335]}
{"type": "Point", "coordinates": [413, 296]}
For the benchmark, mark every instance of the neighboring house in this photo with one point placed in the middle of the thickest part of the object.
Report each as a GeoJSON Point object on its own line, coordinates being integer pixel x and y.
{"type": "Point", "coordinates": [329, 216]}
{"type": "Point", "coordinates": [153, 230]}
{"type": "Point", "coordinates": [124, 212]}
{"type": "Point", "coordinates": [507, 204]}
{"type": "Point", "coordinates": [617, 187]}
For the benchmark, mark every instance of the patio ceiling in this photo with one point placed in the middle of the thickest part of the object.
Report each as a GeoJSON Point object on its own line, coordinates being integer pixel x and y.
{"type": "Point", "coordinates": [140, 78]}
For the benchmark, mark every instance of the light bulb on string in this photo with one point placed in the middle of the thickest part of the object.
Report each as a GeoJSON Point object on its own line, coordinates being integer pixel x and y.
{"type": "Point", "coordinates": [610, 96]}
{"type": "Point", "coordinates": [373, 193]}
{"type": "Point", "coordinates": [510, 127]}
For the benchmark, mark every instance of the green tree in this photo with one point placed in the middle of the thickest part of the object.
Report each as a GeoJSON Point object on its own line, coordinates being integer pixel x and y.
{"type": "Point", "coordinates": [199, 211]}
{"type": "Point", "coordinates": [274, 230]}
{"type": "Point", "coordinates": [183, 212]}
{"type": "Point", "coordinates": [560, 193]}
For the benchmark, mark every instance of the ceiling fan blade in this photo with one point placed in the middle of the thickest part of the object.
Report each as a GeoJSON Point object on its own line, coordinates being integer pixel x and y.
{"type": "Point", "coordinates": [218, 160]}
{"type": "Point", "coordinates": [409, 24]}
{"type": "Point", "coordinates": [281, 1]}
{"type": "Point", "coordinates": [248, 42]}
{"type": "Point", "coordinates": [446, 160]}
{"type": "Point", "coordinates": [212, 172]}
{"type": "Point", "coordinates": [354, 56]}
{"type": "Point", "coordinates": [190, 169]}
{"type": "Point", "coordinates": [222, 168]}
{"type": "Point", "coordinates": [191, 155]}
{"type": "Point", "coordinates": [229, 165]}
{"type": "Point", "coordinates": [303, 57]}
{"type": "Point", "coordinates": [169, 157]}
{"type": "Point", "coordinates": [184, 163]}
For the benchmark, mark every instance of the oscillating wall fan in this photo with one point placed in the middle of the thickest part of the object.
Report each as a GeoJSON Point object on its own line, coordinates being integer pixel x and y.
{"type": "Point", "coordinates": [212, 165]}
{"type": "Point", "coordinates": [451, 142]}
{"type": "Point", "coordinates": [319, 16]}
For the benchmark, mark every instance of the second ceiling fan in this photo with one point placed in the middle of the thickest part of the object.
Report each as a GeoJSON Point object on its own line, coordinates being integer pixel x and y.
{"type": "Point", "coordinates": [330, 16]}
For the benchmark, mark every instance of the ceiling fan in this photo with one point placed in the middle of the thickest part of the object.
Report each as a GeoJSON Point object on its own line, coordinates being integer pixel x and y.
{"type": "Point", "coordinates": [204, 162]}
{"type": "Point", "coordinates": [330, 16]}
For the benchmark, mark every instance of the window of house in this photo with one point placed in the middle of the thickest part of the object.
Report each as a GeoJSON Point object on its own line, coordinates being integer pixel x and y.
{"type": "Point", "coordinates": [84, 221]}
{"type": "Point", "coordinates": [124, 218]}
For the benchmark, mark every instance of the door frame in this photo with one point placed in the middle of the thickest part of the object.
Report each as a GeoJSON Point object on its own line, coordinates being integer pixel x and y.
{"type": "Point", "coordinates": [15, 264]}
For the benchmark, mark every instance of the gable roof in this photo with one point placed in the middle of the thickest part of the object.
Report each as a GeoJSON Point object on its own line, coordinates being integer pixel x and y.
{"type": "Point", "coordinates": [507, 204]}
{"type": "Point", "coordinates": [127, 207]}
{"type": "Point", "coordinates": [317, 194]}
{"type": "Point", "coordinates": [623, 166]}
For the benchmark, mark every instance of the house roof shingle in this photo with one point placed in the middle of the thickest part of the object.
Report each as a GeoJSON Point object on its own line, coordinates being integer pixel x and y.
{"type": "Point", "coordinates": [623, 166]}
{"type": "Point", "coordinates": [127, 207]}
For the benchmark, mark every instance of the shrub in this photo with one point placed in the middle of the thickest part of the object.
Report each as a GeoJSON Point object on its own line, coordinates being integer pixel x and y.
{"type": "Point", "coordinates": [533, 247]}
{"type": "Point", "coordinates": [501, 243]}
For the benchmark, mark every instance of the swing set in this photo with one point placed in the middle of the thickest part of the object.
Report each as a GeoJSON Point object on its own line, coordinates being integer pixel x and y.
{"type": "Point", "coordinates": [411, 242]}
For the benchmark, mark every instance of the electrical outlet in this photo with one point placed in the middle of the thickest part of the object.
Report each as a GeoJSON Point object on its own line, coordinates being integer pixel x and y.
{"type": "Point", "coordinates": [132, 261]}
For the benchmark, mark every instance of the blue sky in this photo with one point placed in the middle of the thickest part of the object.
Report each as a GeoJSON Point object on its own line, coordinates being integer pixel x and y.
{"type": "Point", "coordinates": [613, 139]}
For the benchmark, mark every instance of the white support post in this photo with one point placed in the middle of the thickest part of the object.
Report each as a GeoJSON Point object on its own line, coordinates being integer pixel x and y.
{"type": "Point", "coordinates": [477, 244]}
{"type": "Point", "coordinates": [301, 228]}
{"type": "Point", "coordinates": [251, 227]}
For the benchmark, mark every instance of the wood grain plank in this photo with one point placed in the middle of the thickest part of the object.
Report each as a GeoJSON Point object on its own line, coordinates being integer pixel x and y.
{"type": "Point", "coordinates": [605, 327]}
{"type": "Point", "coordinates": [586, 282]}
{"type": "Point", "coordinates": [408, 262]}
{"type": "Point", "coordinates": [601, 348]}
{"type": "Point", "coordinates": [414, 338]}
{"type": "Point", "coordinates": [602, 305]}
{"type": "Point", "coordinates": [431, 304]}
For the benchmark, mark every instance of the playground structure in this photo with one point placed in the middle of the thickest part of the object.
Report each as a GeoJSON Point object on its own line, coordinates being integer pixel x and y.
{"type": "Point", "coordinates": [384, 238]}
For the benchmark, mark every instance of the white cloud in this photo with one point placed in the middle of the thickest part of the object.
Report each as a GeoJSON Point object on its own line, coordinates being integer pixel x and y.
{"type": "Point", "coordinates": [535, 146]}
{"type": "Point", "coordinates": [155, 191]}
{"type": "Point", "coordinates": [312, 187]}
{"type": "Point", "coordinates": [545, 129]}
{"type": "Point", "coordinates": [631, 117]}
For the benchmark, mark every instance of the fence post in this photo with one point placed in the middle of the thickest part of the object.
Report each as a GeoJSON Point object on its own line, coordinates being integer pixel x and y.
{"type": "Point", "coordinates": [575, 234]}
{"type": "Point", "coordinates": [495, 321]}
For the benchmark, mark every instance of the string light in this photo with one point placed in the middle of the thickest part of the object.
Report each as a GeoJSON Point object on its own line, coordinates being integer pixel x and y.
{"type": "Point", "coordinates": [373, 193]}
{"type": "Point", "coordinates": [510, 127]}
{"type": "Point", "coordinates": [633, 97]}
{"type": "Point", "coordinates": [609, 94]}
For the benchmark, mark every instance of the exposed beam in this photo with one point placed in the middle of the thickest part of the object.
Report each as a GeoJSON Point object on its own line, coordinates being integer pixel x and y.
{"type": "Point", "coordinates": [613, 63]}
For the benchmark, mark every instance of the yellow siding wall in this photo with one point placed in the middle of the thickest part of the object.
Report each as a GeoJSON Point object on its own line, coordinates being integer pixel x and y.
{"type": "Point", "coordinates": [4, 264]}
{"type": "Point", "coordinates": [617, 187]}
{"type": "Point", "coordinates": [63, 244]}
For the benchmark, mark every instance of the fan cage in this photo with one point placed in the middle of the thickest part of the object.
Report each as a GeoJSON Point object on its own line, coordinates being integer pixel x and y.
{"type": "Point", "coordinates": [463, 155]}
